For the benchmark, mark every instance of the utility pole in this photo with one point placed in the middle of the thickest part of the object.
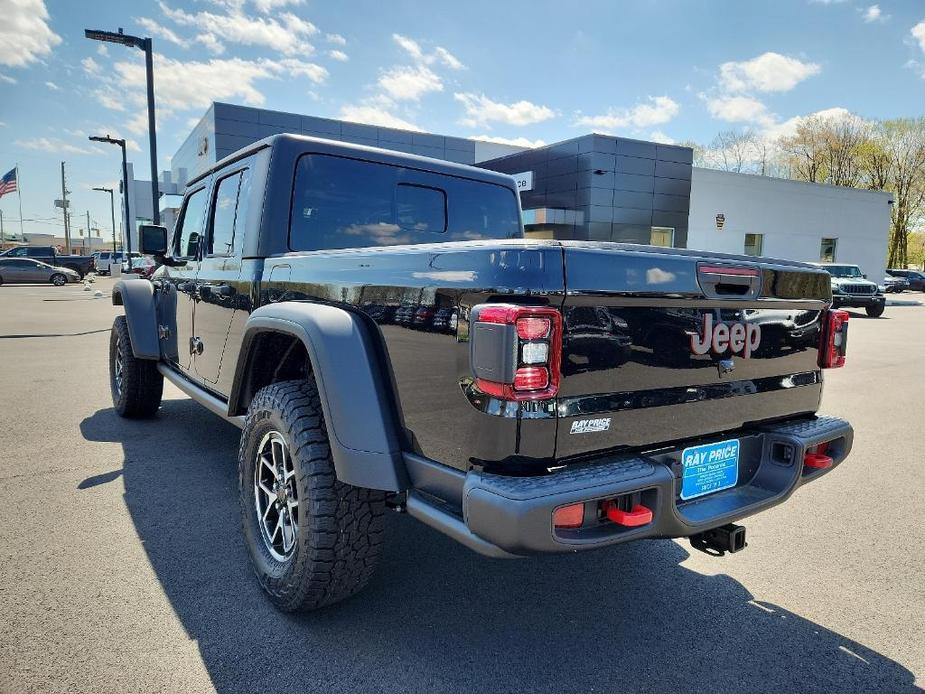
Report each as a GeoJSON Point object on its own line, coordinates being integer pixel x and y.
{"type": "Point", "coordinates": [64, 203]}
{"type": "Point", "coordinates": [2, 239]}
{"type": "Point", "coordinates": [89, 242]}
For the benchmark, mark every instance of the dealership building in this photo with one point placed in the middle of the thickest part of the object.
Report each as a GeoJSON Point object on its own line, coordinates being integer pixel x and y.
{"type": "Point", "coordinates": [600, 188]}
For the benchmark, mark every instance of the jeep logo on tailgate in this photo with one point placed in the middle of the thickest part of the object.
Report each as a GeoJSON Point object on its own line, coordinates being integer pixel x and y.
{"type": "Point", "coordinates": [738, 338]}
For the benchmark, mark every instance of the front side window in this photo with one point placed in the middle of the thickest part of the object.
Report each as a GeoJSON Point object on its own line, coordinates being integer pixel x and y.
{"type": "Point", "coordinates": [662, 236]}
{"type": "Point", "coordinates": [827, 250]}
{"type": "Point", "coordinates": [753, 244]}
{"type": "Point", "coordinates": [221, 241]}
{"type": "Point", "coordinates": [18, 253]}
{"type": "Point", "coordinates": [190, 226]}
{"type": "Point", "coordinates": [347, 203]}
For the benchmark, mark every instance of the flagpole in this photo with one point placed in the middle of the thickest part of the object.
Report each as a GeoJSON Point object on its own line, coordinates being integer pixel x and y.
{"type": "Point", "coordinates": [19, 193]}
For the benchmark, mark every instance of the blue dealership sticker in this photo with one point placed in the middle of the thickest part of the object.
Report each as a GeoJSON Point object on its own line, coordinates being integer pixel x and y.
{"type": "Point", "coordinates": [709, 468]}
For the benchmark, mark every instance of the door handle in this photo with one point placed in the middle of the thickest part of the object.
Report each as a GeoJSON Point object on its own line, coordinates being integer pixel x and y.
{"type": "Point", "coordinates": [220, 289]}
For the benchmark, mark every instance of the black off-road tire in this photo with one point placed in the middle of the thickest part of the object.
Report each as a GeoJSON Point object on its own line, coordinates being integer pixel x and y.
{"type": "Point", "coordinates": [58, 279]}
{"type": "Point", "coordinates": [339, 527]}
{"type": "Point", "coordinates": [138, 393]}
{"type": "Point", "coordinates": [875, 311]}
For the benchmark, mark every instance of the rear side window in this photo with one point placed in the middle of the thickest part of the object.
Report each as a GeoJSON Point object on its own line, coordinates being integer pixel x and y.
{"type": "Point", "coordinates": [221, 241]}
{"type": "Point", "coordinates": [36, 252]}
{"type": "Point", "coordinates": [347, 203]}
{"type": "Point", "coordinates": [186, 244]}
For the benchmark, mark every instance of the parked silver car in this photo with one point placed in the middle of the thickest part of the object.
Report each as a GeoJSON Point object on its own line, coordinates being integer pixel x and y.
{"type": "Point", "coordinates": [28, 270]}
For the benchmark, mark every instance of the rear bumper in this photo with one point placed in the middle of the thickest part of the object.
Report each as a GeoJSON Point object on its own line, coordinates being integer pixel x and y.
{"type": "Point", "coordinates": [512, 516]}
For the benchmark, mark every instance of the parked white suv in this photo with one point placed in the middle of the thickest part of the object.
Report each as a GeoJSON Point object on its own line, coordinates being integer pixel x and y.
{"type": "Point", "coordinates": [109, 258]}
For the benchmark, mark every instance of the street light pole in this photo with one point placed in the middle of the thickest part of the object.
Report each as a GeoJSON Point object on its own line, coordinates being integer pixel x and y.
{"type": "Point", "coordinates": [128, 217]}
{"type": "Point", "coordinates": [146, 45]}
{"type": "Point", "coordinates": [112, 208]}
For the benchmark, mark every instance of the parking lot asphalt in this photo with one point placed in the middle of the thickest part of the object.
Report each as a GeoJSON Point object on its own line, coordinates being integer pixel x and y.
{"type": "Point", "coordinates": [122, 566]}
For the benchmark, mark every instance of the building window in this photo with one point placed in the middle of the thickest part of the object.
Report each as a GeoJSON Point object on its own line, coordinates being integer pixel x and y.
{"type": "Point", "coordinates": [827, 250]}
{"type": "Point", "coordinates": [753, 244]}
{"type": "Point", "coordinates": [662, 236]}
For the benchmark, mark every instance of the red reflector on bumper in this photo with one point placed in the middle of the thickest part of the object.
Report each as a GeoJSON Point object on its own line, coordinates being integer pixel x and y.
{"type": "Point", "coordinates": [639, 515]}
{"type": "Point", "coordinates": [571, 516]}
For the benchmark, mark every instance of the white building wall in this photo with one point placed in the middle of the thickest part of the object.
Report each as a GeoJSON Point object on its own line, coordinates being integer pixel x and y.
{"type": "Point", "coordinates": [793, 216]}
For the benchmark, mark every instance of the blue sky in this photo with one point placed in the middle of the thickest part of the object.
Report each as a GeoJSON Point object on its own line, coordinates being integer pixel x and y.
{"type": "Point", "coordinates": [522, 71]}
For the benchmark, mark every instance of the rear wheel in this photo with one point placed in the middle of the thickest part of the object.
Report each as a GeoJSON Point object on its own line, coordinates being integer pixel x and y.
{"type": "Point", "coordinates": [58, 279]}
{"type": "Point", "coordinates": [313, 540]}
{"type": "Point", "coordinates": [875, 311]}
{"type": "Point", "coordinates": [136, 384]}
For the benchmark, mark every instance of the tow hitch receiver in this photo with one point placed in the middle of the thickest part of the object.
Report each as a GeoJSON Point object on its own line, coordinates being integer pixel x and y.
{"type": "Point", "coordinates": [726, 538]}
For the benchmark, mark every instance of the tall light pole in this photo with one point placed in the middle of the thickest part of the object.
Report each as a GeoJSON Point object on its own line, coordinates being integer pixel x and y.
{"type": "Point", "coordinates": [145, 45]}
{"type": "Point", "coordinates": [112, 207]}
{"type": "Point", "coordinates": [128, 217]}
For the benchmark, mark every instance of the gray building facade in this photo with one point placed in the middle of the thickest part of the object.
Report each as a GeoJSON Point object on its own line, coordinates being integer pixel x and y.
{"type": "Point", "coordinates": [226, 128]}
{"type": "Point", "coordinates": [603, 188]}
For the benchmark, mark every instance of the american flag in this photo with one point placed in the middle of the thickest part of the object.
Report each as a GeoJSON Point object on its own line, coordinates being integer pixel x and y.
{"type": "Point", "coordinates": [8, 183]}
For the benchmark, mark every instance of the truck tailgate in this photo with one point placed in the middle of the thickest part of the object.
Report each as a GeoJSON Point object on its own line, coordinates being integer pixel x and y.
{"type": "Point", "coordinates": [666, 344]}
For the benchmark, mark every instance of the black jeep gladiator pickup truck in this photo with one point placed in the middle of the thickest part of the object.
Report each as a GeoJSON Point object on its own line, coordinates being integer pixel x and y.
{"type": "Point", "coordinates": [81, 264]}
{"type": "Point", "coordinates": [554, 396]}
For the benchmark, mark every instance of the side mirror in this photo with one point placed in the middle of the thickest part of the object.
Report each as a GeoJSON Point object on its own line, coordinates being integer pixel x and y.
{"type": "Point", "coordinates": [864, 276]}
{"type": "Point", "coordinates": [153, 239]}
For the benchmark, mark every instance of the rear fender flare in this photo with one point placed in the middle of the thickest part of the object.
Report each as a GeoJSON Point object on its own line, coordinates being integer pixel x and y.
{"type": "Point", "coordinates": [137, 297]}
{"type": "Point", "coordinates": [359, 409]}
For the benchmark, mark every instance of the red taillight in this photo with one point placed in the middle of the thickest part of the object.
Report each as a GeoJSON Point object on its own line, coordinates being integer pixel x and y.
{"type": "Point", "coordinates": [531, 378]}
{"type": "Point", "coordinates": [834, 340]}
{"type": "Point", "coordinates": [571, 516]}
{"type": "Point", "coordinates": [533, 328]}
{"type": "Point", "coordinates": [521, 361]}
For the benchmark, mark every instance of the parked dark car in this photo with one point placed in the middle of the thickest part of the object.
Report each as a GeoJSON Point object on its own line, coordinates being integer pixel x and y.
{"type": "Point", "coordinates": [916, 278]}
{"type": "Point", "coordinates": [423, 317]}
{"type": "Point", "coordinates": [81, 264]}
{"type": "Point", "coordinates": [484, 436]}
{"type": "Point", "coordinates": [893, 285]}
{"type": "Point", "coordinates": [445, 320]}
{"type": "Point", "coordinates": [22, 270]}
{"type": "Point", "coordinates": [404, 315]}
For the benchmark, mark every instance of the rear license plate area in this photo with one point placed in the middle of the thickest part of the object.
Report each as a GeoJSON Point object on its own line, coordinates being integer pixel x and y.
{"type": "Point", "coordinates": [709, 468]}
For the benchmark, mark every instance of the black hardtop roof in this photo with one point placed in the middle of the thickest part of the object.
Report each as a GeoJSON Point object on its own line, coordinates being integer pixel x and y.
{"type": "Point", "coordinates": [294, 145]}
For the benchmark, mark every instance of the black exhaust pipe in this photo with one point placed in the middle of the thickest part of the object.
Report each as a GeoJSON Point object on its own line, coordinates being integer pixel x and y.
{"type": "Point", "coordinates": [716, 542]}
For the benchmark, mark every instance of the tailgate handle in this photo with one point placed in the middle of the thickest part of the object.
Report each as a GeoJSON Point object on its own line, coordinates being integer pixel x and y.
{"type": "Point", "coordinates": [729, 281]}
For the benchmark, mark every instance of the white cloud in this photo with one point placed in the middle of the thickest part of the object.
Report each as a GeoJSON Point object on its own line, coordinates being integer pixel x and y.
{"type": "Point", "coordinates": [183, 86]}
{"type": "Point", "coordinates": [660, 137]}
{"type": "Point", "coordinates": [372, 114]}
{"type": "Point", "coordinates": [7, 79]}
{"type": "Point", "coordinates": [480, 110]}
{"type": "Point", "coordinates": [336, 39]}
{"type": "Point", "coordinates": [769, 72]}
{"type": "Point", "coordinates": [439, 54]}
{"type": "Point", "coordinates": [212, 44]}
{"type": "Point", "coordinates": [286, 33]}
{"type": "Point", "coordinates": [102, 50]}
{"type": "Point", "coordinates": [266, 6]}
{"type": "Point", "coordinates": [409, 83]}
{"type": "Point", "coordinates": [789, 127]}
{"type": "Point", "coordinates": [53, 87]}
{"type": "Point", "coordinates": [338, 55]}
{"type": "Point", "coordinates": [874, 14]}
{"type": "Point", "coordinates": [55, 146]}
{"type": "Point", "coordinates": [91, 67]}
{"type": "Point", "coordinates": [24, 33]}
{"type": "Point", "coordinates": [515, 141]}
{"type": "Point", "coordinates": [739, 109]}
{"type": "Point", "coordinates": [159, 31]}
{"type": "Point", "coordinates": [918, 33]}
{"type": "Point", "coordinates": [658, 110]}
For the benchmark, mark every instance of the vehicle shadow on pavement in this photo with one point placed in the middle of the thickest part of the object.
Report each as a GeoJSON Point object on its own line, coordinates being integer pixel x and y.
{"type": "Point", "coordinates": [438, 617]}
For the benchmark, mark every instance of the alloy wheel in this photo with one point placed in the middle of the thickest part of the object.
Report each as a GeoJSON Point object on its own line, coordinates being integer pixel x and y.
{"type": "Point", "coordinates": [276, 496]}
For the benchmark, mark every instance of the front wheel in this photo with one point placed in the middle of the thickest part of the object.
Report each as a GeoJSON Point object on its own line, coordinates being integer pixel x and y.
{"type": "Point", "coordinates": [313, 540]}
{"type": "Point", "coordinates": [136, 384]}
{"type": "Point", "coordinates": [875, 311]}
{"type": "Point", "coordinates": [58, 279]}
